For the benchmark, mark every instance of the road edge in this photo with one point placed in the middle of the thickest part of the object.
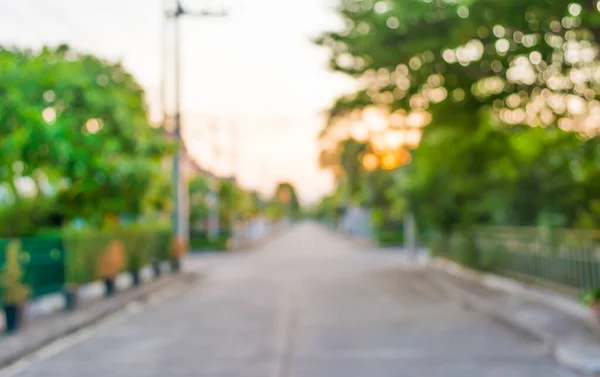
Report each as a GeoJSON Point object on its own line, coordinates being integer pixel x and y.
{"type": "Point", "coordinates": [571, 355]}
{"type": "Point", "coordinates": [21, 348]}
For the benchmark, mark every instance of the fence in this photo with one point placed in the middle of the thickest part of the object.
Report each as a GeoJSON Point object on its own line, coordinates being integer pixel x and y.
{"type": "Point", "coordinates": [42, 259]}
{"type": "Point", "coordinates": [48, 261]}
{"type": "Point", "coordinates": [561, 257]}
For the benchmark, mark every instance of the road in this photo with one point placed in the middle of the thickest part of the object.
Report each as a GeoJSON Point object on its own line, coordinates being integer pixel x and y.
{"type": "Point", "coordinates": [308, 304]}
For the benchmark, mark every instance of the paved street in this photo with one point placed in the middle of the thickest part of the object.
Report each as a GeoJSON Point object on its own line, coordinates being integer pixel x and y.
{"type": "Point", "coordinates": [309, 304]}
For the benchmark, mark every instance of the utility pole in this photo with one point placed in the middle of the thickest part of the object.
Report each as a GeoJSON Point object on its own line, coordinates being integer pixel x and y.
{"type": "Point", "coordinates": [214, 223]}
{"type": "Point", "coordinates": [180, 190]}
{"type": "Point", "coordinates": [234, 145]}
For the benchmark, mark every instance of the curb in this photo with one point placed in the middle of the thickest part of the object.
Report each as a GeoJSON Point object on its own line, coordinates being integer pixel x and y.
{"type": "Point", "coordinates": [579, 358]}
{"type": "Point", "coordinates": [489, 310]}
{"type": "Point", "coordinates": [576, 356]}
{"type": "Point", "coordinates": [18, 346]}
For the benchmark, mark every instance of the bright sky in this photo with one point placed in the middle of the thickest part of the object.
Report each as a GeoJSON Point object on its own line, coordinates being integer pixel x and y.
{"type": "Point", "coordinates": [255, 71]}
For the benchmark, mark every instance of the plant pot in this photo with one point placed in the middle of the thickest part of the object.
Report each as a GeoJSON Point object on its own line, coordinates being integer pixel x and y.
{"type": "Point", "coordinates": [71, 299]}
{"type": "Point", "coordinates": [175, 265]}
{"type": "Point", "coordinates": [13, 313]}
{"type": "Point", "coordinates": [156, 268]}
{"type": "Point", "coordinates": [135, 278]}
{"type": "Point", "coordinates": [110, 286]}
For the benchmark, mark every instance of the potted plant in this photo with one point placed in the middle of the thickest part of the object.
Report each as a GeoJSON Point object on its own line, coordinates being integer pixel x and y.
{"type": "Point", "coordinates": [14, 292]}
{"type": "Point", "coordinates": [111, 263]}
{"type": "Point", "coordinates": [592, 299]}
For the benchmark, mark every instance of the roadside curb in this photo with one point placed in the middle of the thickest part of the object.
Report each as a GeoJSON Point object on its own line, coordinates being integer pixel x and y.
{"type": "Point", "coordinates": [471, 301]}
{"type": "Point", "coordinates": [47, 330]}
{"type": "Point", "coordinates": [577, 354]}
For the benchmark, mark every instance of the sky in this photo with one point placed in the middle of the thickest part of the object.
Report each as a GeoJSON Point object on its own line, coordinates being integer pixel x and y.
{"type": "Point", "coordinates": [252, 82]}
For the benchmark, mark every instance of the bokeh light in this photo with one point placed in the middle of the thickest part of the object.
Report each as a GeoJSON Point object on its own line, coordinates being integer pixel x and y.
{"type": "Point", "coordinates": [370, 161]}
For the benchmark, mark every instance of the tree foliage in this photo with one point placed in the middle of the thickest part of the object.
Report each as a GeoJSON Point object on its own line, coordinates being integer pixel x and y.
{"type": "Point", "coordinates": [75, 130]}
{"type": "Point", "coordinates": [512, 89]}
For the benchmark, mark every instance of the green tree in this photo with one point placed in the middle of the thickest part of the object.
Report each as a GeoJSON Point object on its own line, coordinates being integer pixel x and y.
{"type": "Point", "coordinates": [78, 128]}
{"type": "Point", "coordinates": [287, 199]}
{"type": "Point", "coordinates": [487, 72]}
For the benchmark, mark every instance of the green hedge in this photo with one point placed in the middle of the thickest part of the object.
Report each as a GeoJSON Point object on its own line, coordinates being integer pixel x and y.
{"type": "Point", "coordinates": [142, 245]}
{"type": "Point", "coordinates": [201, 242]}
{"type": "Point", "coordinates": [390, 238]}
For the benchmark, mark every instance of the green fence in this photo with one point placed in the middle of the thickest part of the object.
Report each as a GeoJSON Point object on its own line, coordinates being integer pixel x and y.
{"type": "Point", "coordinates": [566, 258]}
{"type": "Point", "coordinates": [42, 259]}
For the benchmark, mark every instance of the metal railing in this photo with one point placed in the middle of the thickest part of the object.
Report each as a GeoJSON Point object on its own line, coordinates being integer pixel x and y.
{"type": "Point", "coordinates": [561, 257]}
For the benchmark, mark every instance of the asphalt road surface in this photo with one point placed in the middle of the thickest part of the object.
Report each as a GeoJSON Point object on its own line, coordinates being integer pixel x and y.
{"type": "Point", "coordinates": [309, 304]}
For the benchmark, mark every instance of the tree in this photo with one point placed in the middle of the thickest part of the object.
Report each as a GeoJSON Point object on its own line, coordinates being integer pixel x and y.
{"type": "Point", "coordinates": [78, 129]}
{"type": "Point", "coordinates": [199, 189]}
{"type": "Point", "coordinates": [511, 90]}
{"type": "Point", "coordinates": [287, 199]}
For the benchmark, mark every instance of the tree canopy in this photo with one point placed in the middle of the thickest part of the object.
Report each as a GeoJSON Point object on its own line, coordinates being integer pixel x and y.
{"type": "Point", "coordinates": [73, 129]}
{"type": "Point", "coordinates": [511, 91]}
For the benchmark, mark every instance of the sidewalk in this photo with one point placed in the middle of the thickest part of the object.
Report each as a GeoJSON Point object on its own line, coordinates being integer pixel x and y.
{"type": "Point", "coordinates": [42, 331]}
{"type": "Point", "coordinates": [559, 322]}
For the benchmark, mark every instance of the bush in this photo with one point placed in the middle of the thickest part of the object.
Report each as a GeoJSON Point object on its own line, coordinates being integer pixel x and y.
{"type": "Point", "coordinates": [201, 241]}
{"type": "Point", "coordinates": [83, 249]}
{"type": "Point", "coordinates": [390, 238]}
{"type": "Point", "coordinates": [140, 246]}
{"type": "Point", "coordinates": [25, 217]}
{"type": "Point", "coordinates": [11, 280]}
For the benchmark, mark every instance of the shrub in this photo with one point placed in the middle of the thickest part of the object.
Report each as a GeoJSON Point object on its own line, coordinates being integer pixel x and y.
{"type": "Point", "coordinates": [201, 241]}
{"type": "Point", "coordinates": [83, 249]}
{"type": "Point", "coordinates": [390, 238]}
{"type": "Point", "coordinates": [86, 250]}
{"type": "Point", "coordinates": [138, 245]}
{"type": "Point", "coordinates": [11, 280]}
{"type": "Point", "coordinates": [591, 297]}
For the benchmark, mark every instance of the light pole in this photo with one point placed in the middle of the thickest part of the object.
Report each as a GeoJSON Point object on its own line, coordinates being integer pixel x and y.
{"type": "Point", "coordinates": [180, 190]}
